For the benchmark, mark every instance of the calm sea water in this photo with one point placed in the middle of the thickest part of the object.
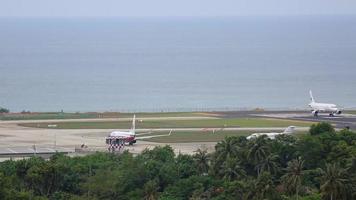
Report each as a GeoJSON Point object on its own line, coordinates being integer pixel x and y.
{"type": "Point", "coordinates": [176, 64]}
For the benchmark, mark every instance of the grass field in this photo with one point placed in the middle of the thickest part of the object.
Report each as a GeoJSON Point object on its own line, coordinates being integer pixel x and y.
{"type": "Point", "coordinates": [91, 115]}
{"type": "Point", "coordinates": [202, 136]}
{"type": "Point", "coordinates": [197, 123]}
{"type": "Point", "coordinates": [208, 136]}
{"type": "Point", "coordinates": [350, 112]}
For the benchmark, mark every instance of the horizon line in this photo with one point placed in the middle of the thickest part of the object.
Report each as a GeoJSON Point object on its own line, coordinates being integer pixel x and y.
{"type": "Point", "coordinates": [174, 16]}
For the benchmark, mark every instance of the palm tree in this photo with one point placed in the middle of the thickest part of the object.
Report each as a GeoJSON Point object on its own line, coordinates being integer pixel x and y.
{"type": "Point", "coordinates": [292, 180]}
{"type": "Point", "coordinates": [231, 170]}
{"type": "Point", "coordinates": [226, 148]}
{"type": "Point", "coordinates": [201, 159]}
{"type": "Point", "coordinates": [269, 164]}
{"type": "Point", "coordinates": [264, 187]}
{"type": "Point", "coordinates": [259, 150]}
{"type": "Point", "coordinates": [150, 190]}
{"type": "Point", "coordinates": [334, 182]}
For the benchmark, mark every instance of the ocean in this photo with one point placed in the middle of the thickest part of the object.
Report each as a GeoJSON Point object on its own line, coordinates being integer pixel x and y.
{"type": "Point", "coordinates": [176, 64]}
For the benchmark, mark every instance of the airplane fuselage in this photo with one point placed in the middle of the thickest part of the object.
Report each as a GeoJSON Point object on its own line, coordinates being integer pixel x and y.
{"type": "Point", "coordinates": [269, 135]}
{"type": "Point", "coordinates": [272, 135]}
{"type": "Point", "coordinates": [129, 137]}
{"type": "Point", "coordinates": [324, 107]}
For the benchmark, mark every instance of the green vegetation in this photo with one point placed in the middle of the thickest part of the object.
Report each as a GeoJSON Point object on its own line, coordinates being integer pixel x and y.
{"type": "Point", "coordinates": [312, 167]}
{"type": "Point", "coordinates": [322, 127]}
{"type": "Point", "coordinates": [196, 123]}
{"type": "Point", "coordinates": [91, 115]}
{"type": "Point", "coordinates": [4, 110]}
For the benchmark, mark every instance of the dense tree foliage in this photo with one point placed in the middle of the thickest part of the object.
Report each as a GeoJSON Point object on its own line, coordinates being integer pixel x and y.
{"type": "Point", "coordinates": [315, 166]}
{"type": "Point", "coordinates": [4, 110]}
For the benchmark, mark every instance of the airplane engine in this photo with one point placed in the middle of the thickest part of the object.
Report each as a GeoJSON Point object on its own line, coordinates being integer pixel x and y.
{"type": "Point", "coordinates": [338, 112]}
{"type": "Point", "coordinates": [315, 112]}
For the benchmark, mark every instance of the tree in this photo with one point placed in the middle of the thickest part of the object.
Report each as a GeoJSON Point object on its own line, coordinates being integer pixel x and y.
{"type": "Point", "coordinates": [319, 128]}
{"type": "Point", "coordinates": [292, 180]}
{"type": "Point", "coordinates": [102, 185]}
{"type": "Point", "coordinates": [235, 190]}
{"type": "Point", "coordinates": [201, 159]}
{"type": "Point", "coordinates": [226, 148]}
{"type": "Point", "coordinates": [264, 187]}
{"type": "Point", "coordinates": [285, 147]}
{"type": "Point", "coordinates": [258, 150]}
{"type": "Point", "coordinates": [231, 170]}
{"type": "Point", "coordinates": [184, 188]}
{"type": "Point", "coordinates": [334, 182]}
{"type": "Point", "coordinates": [160, 154]}
{"type": "Point", "coordinates": [311, 149]}
{"type": "Point", "coordinates": [150, 190]}
{"type": "Point", "coordinates": [269, 164]}
{"type": "Point", "coordinates": [47, 178]}
{"type": "Point", "coordinates": [184, 163]}
{"type": "Point", "coordinates": [4, 110]}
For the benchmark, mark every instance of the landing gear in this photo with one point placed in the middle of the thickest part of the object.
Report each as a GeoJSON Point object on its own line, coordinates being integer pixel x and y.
{"type": "Point", "coordinates": [331, 115]}
{"type": "Point", "coordinates": [132, 142]}
{"type": "Point", "coordinates": [316, 114]}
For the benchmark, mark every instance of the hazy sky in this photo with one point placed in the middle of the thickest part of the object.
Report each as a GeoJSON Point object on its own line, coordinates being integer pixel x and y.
{"type": "Point", "coordinates": [139, 8]}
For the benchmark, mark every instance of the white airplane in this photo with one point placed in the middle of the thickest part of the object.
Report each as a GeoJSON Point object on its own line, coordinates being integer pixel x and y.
{"type": "Point", "coordinates": [130, 136]}
{"type": "Point", "coordinates": [288, 130]}
{"type": "Point", "coordinates": [323, 107]}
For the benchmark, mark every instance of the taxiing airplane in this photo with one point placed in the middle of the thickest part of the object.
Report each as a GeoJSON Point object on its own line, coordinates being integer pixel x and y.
{"type": "Point", "coordinates": [130, 136]}
{"type": "Point", "coordinates": [332, 109]}
{"type": "Point", "coordinates": [272, 135]}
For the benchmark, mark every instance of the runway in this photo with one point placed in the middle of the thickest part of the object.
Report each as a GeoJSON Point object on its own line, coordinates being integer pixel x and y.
{"type": "Point", "coordinates": [22, 152]}
{"type": "Point", "coordinates": [339, 121]}
{"type": "Point", "coordinates": [15, 138]}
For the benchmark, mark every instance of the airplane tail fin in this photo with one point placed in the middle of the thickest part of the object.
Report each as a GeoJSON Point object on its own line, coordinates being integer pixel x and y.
{"type": "Point", "coordinates": [133, 128]}
{"type": "Point", "coordinates": [311, 96]}
{"type": "Point", "coordinates": [289, 130]}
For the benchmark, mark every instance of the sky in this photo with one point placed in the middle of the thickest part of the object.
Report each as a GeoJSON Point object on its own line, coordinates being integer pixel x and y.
{"type": "Point", "coordinates": [159, 8]}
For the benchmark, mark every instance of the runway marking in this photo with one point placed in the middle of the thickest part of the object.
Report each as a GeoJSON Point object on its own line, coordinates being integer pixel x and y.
{"type": "Point", "coordinates": [49, 149]}
{"type": "Point", "coordinates": [12, 151]}
{"type": "Point", "coordinates": [32, 150]}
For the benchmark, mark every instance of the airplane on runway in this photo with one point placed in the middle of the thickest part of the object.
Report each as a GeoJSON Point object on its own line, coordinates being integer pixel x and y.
{"type": "Point", "coordinates": [129, 137]}
{"type": "Point", "coordinates": [332, 109]}
{"type": "Point", "coordinates": [288, 130]}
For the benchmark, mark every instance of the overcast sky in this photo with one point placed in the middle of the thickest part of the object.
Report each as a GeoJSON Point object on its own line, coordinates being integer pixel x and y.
{"type": "Point", "coordinates": [139, 8]}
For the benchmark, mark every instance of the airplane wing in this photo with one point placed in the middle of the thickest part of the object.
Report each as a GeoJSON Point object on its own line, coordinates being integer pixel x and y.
{"type": "Point", "coordinates": [145, 133]}
{"type": "Point", "coordinates": [153, 136]}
